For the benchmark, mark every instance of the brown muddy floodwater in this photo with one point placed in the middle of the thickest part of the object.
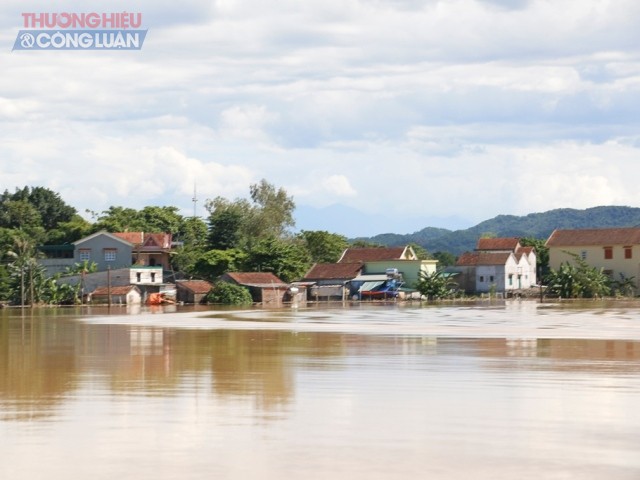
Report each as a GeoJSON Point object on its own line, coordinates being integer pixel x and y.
{"type": "Point", "coordinates": [512, 390]}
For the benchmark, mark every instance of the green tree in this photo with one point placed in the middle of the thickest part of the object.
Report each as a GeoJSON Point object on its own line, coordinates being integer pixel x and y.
{"type": "Point", "coordinates": [213, 263]}
{"type": "Point", "coordinates": [119, 219]}
{"type": "Point", "coordinates": [288, 259]}
{"type": "Point", "coordinates": [274, 210]}
{"type": "Point", "coordinates": [227, 222]}
{"type": "Point", "coordinates": [420, 252]}
{"type": "Point", "coordinates": [436, 285]}
{"type": "Point", "coordinates": [193, 233]}
{"type": "Point", "coordinates": [240, 223]}
{"type": "Point", "coordinates": [578, 280]}
{"type": "Point", "coordinates": [24, 269]}
{"type": "Point", "coordinates": [542, 253]}
{"type": "Point", "coordinates": [160, 219]}
{"type": "Point", "coordinates": [445, 259]}
{"type": "Point", "coordinates": [324, 247]}
{"type": "Point", "coordinates": [50, 207]}
{"type": "Point", "coordinates": [226, 293]}
{"type": "Point", "coordinates": [624, 286]}
{"type": "Point", "coordinates": [68, 232]}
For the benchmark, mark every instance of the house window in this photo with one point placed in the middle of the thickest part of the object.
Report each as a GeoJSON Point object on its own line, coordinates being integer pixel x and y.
{"type": "Point", "coordinates": [153, 277]}
{"type": "Point", "coordinates": [511, 279]}
{"type": "Point", "coordinates": [628, 252]}
{"type": "Point", "coordinates": [608, 253]}
{"type": "Point", "coordinates": [138, 277]}
{"type": "Point", "coordinates": [85, 254]}
{"type": "Point", "coordinates": [583, 254]}
{"type": "Point", "coordinates": [491, 278]}
{"type": "Point", "coordinates": [481, 278]}
{"type": "Point", "coordinates": [110, 254]}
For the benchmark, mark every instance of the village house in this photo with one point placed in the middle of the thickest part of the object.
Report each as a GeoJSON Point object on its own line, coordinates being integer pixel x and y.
{"type": "Point", "coordinates": [265, 288]}
{"type": "Point", "coordinates": [125, 295]}
{"type": "Point", "coordinates": [614, 250]}
{"type": "Point", "coordinates": [330, 281]}
{"type": "Point", "coordinates": [399, 262]}
{"type": "Point", "coordinates": [150, 249]}
{"type": "Point", "coordinates": [105, 249]}
{"type": "Point", "coordinates": [192, 291]}
{"type": "Point", "coordinates": [499, 265]}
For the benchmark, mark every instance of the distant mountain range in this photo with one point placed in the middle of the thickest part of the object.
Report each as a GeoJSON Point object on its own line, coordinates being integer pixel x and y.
{"type": "Point", "coordinates": [537, 225]}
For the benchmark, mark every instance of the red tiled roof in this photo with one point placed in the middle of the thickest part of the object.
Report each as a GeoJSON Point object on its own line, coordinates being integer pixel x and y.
{"type": "Point", "coordinates": [470, 259]}
{"type": "Point", "coordinates": [157, 240]}
{"type": "Point", "coordinates": [526, 250]}
{"type": "Point", "coordinates": [594, 236]}
{"type": "Point", "coordinates": [146, 240]}
{"type": "Point", "coordinates": [333, 271]}
{"type": "Point", "coordinates": [195, 286]}
{"type": "Point", "coordinates": [114, 290]}
{"type": "Point", "coordinates": [255, 278]}
{"type": "Point", "coordinates": [353, 255]}
{"type": "Point", "coordinates": [510, 243]}
{"type": "Point", "coordinates": [132, 237]}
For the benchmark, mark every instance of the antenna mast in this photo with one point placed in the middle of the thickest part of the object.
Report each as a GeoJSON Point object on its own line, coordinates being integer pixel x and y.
{"type": "Point", "coordinates": [194, 200]}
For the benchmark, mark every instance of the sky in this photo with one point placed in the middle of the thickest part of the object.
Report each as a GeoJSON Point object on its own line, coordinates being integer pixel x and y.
{"type": "Point", "coordinates": [375, 115]}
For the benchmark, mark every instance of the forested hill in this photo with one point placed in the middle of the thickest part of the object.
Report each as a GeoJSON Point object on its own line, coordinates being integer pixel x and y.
{"type": "Point", "coordinates": [537, 225]}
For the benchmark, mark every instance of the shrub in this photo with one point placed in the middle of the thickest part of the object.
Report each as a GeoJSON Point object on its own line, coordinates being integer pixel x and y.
{"type": "Point", "coordinates": [229, 294]}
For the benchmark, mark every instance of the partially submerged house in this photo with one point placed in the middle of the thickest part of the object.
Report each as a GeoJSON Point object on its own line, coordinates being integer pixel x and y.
{"type": "Point", "coordinates": [331, 281]}
{"type": "Point", "coordinates": [192, 291]}
{"type": "Point", "coordinates": [265, 287]}
{"type": "Point", "coordinates": [124, 295]}
{"type": "Point", "coordinates": [147, 279]}
{"type": "Point", "coordinates": [499, 265]}
{"type": "Point", "coordinates": [399, 262]}
{"type": "Point", "coordinates": [614, 250]}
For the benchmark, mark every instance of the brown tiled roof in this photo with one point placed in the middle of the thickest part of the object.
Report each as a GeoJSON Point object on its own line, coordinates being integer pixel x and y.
{"type": "Point", "coordinates": [195, 286]}
{"type": "Point", "coordinates": [157, 240]}
{"type": "Point", "coordinates": [255, 278]}
{"type": "Point", "coordinates": [469, 259]}
{"type": "Point", "coordinates": [132, 237]}
{"type": "Point", "coordinates": [353, 255]}
{"type": "Point", "coordinates": [594, 236]}
{"type": "Point", "coordinates": [122, 290]}
{"type": "Point", "coordinates": [146, 240]}
{"type": "Point", "coordinates": [510, 243]}
{"type": "Point", "coordinates": [526, 250]}
{"type": "Point", "coordinates": [333, 271]}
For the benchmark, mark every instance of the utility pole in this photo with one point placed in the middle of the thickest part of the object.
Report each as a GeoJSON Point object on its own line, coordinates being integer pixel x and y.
{"type": "Point", "coordinates": [109, 286]}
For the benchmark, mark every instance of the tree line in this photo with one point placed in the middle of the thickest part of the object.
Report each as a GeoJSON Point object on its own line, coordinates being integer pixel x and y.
{"type": "Point", "coordinates": [254, 234]}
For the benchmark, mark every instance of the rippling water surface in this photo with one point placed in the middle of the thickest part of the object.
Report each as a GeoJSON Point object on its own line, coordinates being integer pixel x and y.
{"type": "Point", "coordinates": [514, 390]}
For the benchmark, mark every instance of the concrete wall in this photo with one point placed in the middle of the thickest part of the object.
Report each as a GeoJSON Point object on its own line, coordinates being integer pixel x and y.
{"type": "Point", "coordinates": [594, 256]}
{"type": "Point", "coordinates": [410, 269]}
{"type": "Point", "coordinates": [96, 246]}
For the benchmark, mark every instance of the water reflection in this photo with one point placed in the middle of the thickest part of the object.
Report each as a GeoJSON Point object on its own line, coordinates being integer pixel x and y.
{"type": "Point", "coordinates": [316, 404]}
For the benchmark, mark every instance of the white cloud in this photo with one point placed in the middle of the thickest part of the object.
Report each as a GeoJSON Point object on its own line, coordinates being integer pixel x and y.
{"type": "Point", "coordinates": [459, 107]}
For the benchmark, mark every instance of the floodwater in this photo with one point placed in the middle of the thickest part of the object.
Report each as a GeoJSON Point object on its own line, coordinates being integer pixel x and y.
{"type": "Point", "coordinates": [510, 390]}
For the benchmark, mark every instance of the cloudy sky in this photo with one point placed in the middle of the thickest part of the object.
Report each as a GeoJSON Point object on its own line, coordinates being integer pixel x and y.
{"type": "Point", "coordinates": [410, 113]}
